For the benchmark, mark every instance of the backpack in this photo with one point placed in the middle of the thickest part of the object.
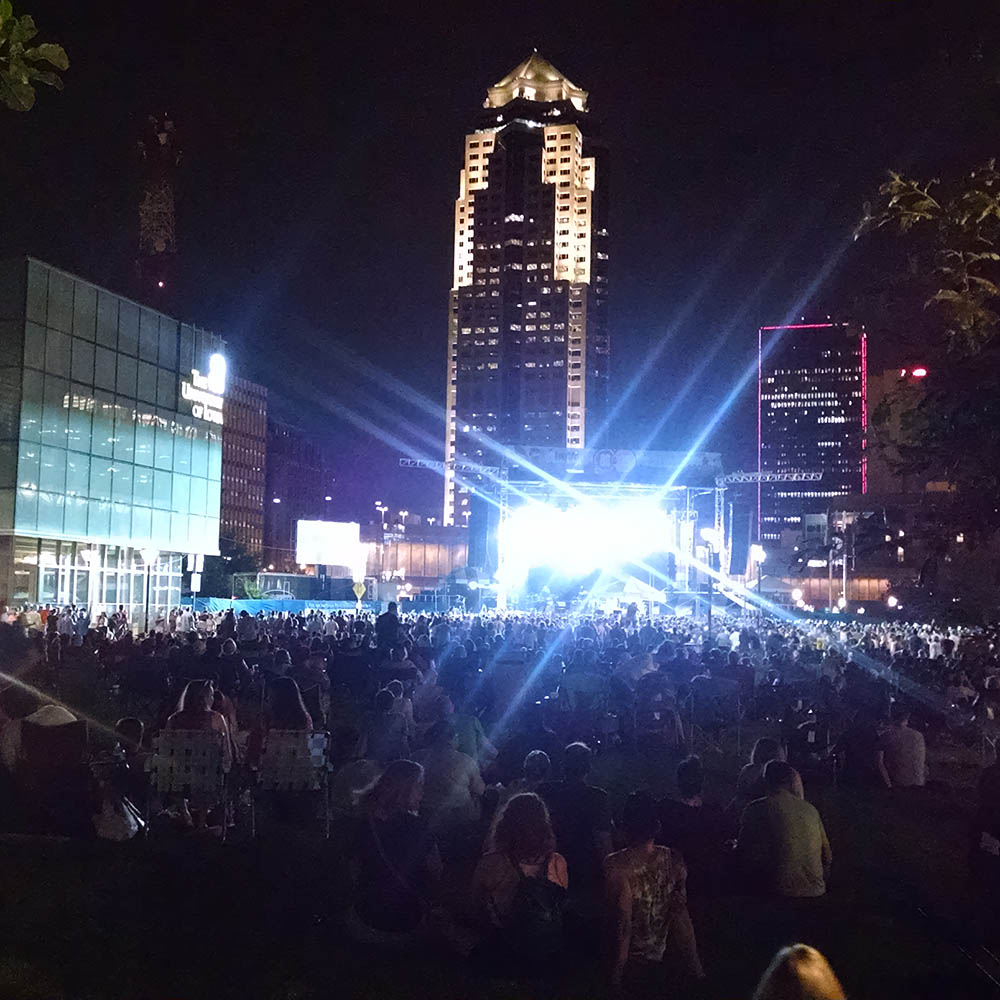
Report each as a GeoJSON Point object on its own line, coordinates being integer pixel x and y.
{"type": "Point", "coordinates": [534, 926]}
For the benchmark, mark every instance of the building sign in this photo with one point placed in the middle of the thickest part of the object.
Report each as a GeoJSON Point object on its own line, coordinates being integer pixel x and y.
{"type": "Point", "coordinates": [206, 393]}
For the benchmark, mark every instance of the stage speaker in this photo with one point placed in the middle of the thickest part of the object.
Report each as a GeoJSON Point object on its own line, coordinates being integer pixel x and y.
{"type": "Point", "coordinates": [484, 519]}
{"type": "Point", "coordinates": [740, 517]}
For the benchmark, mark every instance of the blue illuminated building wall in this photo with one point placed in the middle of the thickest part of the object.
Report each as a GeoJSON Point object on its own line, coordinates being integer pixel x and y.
{"type": "Point", "coordinates": [103, 455]}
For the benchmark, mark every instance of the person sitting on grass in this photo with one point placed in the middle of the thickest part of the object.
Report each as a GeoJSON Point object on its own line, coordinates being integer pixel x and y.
{"type": "Point", "coordinates": [750, 783]}
{"type": "Point", "coordinates": [397, 863]}
{"type": "Point", "coordinates": [646, 902]}
{"type": "Point", "coordinates": [694, 828]}
{"type": "Point", "coordinates": [537, 769]}
{"type": "Point", "coordinates": [782, 847]}
{"type": "Point", "coordinates": [383, 731]}
{"type": "Point", "coordinates": [454, 786]}
{"type": "Point", "coordinates": [519, 889]}
{"type": "Point", "coordinates": [581, 816]}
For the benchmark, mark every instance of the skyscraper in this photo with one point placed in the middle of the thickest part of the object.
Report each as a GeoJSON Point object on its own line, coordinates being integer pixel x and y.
{"type": "Point", "coordinates": [528, 351]}
{"type": "Point", "coordinates": [244, 459]}
{"type": "Point", "coordinates": [811, 417]}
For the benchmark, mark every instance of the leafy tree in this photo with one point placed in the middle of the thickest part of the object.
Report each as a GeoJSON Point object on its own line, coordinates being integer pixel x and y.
{"type": "Point", "coordinates": [22, 66]}
{"type": "Point", "coordinates": [217, 578]}
{"type": "Point", "coordinates": [950, 430]}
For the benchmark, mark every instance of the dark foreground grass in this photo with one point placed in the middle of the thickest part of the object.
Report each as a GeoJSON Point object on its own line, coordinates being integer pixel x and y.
{"type": "Point", "coordinates": [192, 918]}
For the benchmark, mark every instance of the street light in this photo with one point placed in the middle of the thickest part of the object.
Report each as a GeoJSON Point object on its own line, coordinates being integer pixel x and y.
{"type": "Point", "coordinates": [149, 556]}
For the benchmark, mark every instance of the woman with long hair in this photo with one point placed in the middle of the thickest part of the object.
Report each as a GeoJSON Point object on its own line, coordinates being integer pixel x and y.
{"type": "Point", "coordinates": [397, 860]}
{"type": "Point", "coordinates": [799, 972]}
{"type": "Point", "coordinates": [194, 711]}
{"type": "Point", "coordinates": [285, 711]}
{"type": "Point", "coordinates": [521, 844]}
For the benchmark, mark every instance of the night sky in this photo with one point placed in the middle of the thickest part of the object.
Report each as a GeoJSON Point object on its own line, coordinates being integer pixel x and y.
{"type": "Point", "coordinates": [321, 155]}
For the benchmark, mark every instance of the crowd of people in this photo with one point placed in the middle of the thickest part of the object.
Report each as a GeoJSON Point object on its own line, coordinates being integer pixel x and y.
{"type": "Point", "coordinates": [466, 739]}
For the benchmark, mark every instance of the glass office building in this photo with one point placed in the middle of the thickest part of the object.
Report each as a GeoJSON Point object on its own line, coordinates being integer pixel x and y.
{"type": "Point", "coordinates": [110, 444]}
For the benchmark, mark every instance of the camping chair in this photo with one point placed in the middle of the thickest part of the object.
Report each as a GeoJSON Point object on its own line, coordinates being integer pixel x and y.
{"type": "Point", "coordinates": [189, 762]}
{"type": "Point", "coordinates": [658, 723]}
{"type": "Point", "coordinates": [292, 760]}
{"type": "Point", "coordinates": [584, 699]}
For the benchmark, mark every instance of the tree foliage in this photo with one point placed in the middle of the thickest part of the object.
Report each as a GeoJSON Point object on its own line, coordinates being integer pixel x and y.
{"type": "Point", "coordinates": [217, 578]}
{"type": "Point", "coordinates": [950, 430]}
{"type": "Point", "coordinates": [23, 66]}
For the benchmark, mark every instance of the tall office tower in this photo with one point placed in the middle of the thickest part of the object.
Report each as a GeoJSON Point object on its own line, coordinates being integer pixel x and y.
{"type": "Point", "coordinates": [528, 347]}
{"type": "Point", "coordinates": [159, 158]}
{"type": "Point", "coordinates": [811, 417]}
{"type": "Point", "coordinates": [298, 487]}
{"type": "Point", "coordinates": [244, 457]}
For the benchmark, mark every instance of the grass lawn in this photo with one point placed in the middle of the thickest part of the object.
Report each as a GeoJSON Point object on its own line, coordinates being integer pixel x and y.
{"type": "Point", "coordinates": [193, 918]}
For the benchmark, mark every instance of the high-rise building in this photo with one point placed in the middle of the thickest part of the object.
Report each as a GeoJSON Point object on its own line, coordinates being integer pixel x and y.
{"type": "Point", "coordinates": [159, 158]}
{"type": "Point", "coordinates": [528, 352]}
{"type": "Point", "coordinates": [111, 418]}
{"type": "Point", "coordinates": [811, 417]}
{"type": "Point", "coordinates": [298, 487]}
{"type": "Point", "coordinates": [244, 455]}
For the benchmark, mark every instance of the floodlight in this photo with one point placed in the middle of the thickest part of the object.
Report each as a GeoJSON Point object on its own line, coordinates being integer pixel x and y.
{"type": "Point", "coordinates": [797, 594]}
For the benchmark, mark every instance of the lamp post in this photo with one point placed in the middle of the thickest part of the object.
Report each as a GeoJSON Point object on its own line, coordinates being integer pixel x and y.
{"type": "Point", "coordinates": [149, 556]}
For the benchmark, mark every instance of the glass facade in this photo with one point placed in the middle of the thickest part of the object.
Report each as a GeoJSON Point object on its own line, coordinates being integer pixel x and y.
{"type": "Point", "coordinates": [102, 450]}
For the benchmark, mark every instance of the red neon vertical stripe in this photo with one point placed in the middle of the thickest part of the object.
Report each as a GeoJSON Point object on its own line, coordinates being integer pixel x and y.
{"type": "Point", "coordinates": [864, 412]}
{"type": "Point", "coordinates": [760, 362]}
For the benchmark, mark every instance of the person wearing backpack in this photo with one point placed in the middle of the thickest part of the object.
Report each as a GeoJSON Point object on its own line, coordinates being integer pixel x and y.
{"type": "Point", "coordinates": [519, 891]}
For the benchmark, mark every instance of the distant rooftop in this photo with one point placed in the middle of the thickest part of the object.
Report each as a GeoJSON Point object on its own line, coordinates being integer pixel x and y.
{"type": "Point", "coordinates": [536, 79]}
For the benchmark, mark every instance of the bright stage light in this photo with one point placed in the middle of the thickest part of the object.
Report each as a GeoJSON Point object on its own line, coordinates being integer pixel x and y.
{"type": "Point", "coordinates": [582, 538]}
{"type": "Point", "coordinates": [757, 553]}
{"type": "Point", "coordinates": [797, 594]}
{"type": "Point", "coordinates": [892, 600]}
{"type": "Point", "coordinates": [711, 537]}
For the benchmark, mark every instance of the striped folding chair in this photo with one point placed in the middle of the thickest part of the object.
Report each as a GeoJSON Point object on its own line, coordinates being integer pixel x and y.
{"type": "Point", "coordinates": [292, 760]}
{"type": "Point", "coordinates": [190, 762]}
